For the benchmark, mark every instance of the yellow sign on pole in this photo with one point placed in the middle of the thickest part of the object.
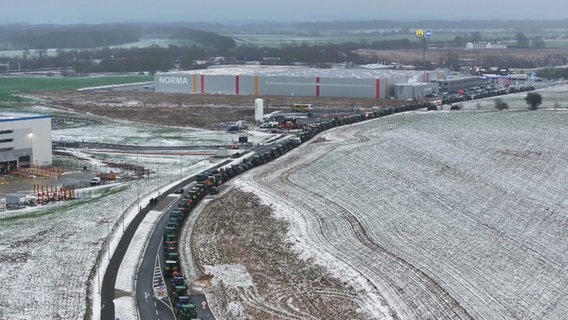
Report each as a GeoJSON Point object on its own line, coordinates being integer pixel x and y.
{"type": "Point", "coordinates": [420, 33]}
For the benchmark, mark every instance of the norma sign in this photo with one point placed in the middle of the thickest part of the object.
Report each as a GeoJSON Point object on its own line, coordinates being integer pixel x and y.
{"type": "Point", "coordinates": [428, 34]}
{"type": "Point", "coordinates": [420, 33]}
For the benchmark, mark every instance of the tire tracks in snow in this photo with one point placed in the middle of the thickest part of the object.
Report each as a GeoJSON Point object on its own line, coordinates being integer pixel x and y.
{"type": "Point", "coordinates": [395, 279]}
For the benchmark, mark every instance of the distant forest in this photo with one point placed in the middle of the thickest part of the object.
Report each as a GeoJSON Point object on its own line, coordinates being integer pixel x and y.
{"type": "Point", "coordinates": [512, 25]}
{"type": "Point", "coordinates": [98, 48]}
{"type": "Point", "coordinates": [526, 26]}
{"type": "Point", "coordinates": [27, 37]}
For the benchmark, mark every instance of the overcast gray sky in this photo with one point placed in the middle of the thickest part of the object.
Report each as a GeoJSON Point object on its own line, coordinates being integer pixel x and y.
{"type": "Point", "coordinates": [97, 11]}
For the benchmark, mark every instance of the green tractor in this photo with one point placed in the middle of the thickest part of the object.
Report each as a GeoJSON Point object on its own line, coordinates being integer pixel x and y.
{"type": "Point", "coordinates": [169, 238]}
{"type": "Point", "coordinates": [173, 256]}
{"type": "Point", "coordinates": [188, 311]}
{"type": "Point", "coordinates": [181, 290]}
{"type": "Point", "coordinates": [172, 268]}
{"type": "Point", "coordinates": [173, 224]}
{"type": "Point", "coordinates": [171, 231]}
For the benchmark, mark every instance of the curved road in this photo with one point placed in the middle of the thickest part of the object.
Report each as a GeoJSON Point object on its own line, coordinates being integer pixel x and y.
{"type": "Point", "coordinates": [151, 266]}
{"type": "Point", "coordinates": [150, 270]}
{"type": "Point", "coordinates": [109, 278]}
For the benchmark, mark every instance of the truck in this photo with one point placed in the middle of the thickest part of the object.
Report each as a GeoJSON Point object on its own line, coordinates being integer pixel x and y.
{"type": "Point", "coordinates": [241, 124]}
{"type": "Point", "coordinates": [237, 126]}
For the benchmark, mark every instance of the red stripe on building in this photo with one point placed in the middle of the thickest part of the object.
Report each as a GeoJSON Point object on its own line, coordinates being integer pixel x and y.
{"type": "Point", "coordinates": [202, 83]}
{"type": "Point", "coordinates": [237, 84]}
{"type": "Point", "coordinates": [317, 86]}
{"type": "Point", "coordinates": [378, 89]}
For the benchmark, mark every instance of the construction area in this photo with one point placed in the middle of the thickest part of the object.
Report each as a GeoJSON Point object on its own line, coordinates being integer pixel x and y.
{"type": "Point", "coordinates": [203, 111]}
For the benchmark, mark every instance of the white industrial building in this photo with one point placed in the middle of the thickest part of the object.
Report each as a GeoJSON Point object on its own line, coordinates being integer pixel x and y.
{"type": "Point", "coordinates": [420, 90]}
{"type": "Point", "coordinates": [25, 140]}
{"type": "Point", "coordinates": [485, 45]}
{"type": "Point", "coordinates": [257, 80]}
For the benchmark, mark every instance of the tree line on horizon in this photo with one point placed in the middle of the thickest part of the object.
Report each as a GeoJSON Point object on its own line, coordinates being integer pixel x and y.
{"type": "Point", "coordinates": [92, 50]}
{"type": "Point", "coordinates": [29, 37]}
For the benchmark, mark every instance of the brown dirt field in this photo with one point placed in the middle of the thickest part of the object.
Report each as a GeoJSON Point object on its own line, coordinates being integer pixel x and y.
{"type": "Point", "coordinates": [236, 229]}
{"type": "Point", "coordinates": [199, 111]}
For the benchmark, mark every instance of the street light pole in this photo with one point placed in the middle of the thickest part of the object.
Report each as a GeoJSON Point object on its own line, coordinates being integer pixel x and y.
{"type": "Point", "coordinates": [424, 59]}
{"type": "Point", "coordinates": [108, 240]}
{"type": "Point", "coordinates": [158, 180]}
{"type": "Point", "coordinates": [122, 214]}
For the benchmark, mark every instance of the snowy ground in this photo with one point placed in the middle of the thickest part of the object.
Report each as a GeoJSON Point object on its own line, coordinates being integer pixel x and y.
{"type": "Point", "coordinates": [426, 215]}
{"type": "Point", "coordinates": [553, 97]}
{"type": "Point", "coordinates": [49, 255]}
{"type": "Point", "coordinates": [433, 215]}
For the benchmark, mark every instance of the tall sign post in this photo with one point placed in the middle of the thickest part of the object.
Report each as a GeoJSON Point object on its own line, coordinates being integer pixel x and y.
{"type": "Point", "coordinates": [423, 35]}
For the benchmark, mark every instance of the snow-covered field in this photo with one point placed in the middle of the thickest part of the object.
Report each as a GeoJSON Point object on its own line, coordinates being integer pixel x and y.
{"type": "Point", "coordinates": [431, 215]}
{"type": "Point", "coordinates": [47, 253]}
{"type": "Point", "coordinates": [553, 97]}
{"type": "Point", "coordinates": [434, 215]}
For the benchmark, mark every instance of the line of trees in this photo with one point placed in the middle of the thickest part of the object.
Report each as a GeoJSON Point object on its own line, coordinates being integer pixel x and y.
{"type": "Point", "coordinates": [155, 58]}
{"type": "Point", "coordinates": [201, 45]}
{"type": "Point", "coordinates": [30, 37]}
{"type": "Point", "coordinates": [80, 36]}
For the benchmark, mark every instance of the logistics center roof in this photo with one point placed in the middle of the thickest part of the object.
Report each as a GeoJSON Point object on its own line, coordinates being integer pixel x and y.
{"type": "Point", "coordinates": [299, 71]}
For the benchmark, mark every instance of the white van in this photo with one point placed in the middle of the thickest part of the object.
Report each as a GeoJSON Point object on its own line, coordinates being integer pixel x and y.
{"type": "Point", "coordinates": [95, 181]}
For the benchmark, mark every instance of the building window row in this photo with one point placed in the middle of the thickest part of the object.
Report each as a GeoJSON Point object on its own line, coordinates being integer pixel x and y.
{"type": "Point", "coordinates": [6, 131]}
{"type": "Point", "coordinates": [6, 149]}
{"type": "Point", "coordinates": [6, 140]}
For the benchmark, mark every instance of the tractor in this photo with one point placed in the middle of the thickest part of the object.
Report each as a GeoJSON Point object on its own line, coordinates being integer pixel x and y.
{"type": "Point", "coordinates": [180, 290]}
{"type": "Point", "coordinates": [169, 238]}
{"type": "Point", "coordinates": [188, 311]}
{"type": "Point", "coordinates": [172, 268]}
{"type": "Point", "coordinates": [177, 281]}
{"type": "Point", "coordinates": [173, 256]}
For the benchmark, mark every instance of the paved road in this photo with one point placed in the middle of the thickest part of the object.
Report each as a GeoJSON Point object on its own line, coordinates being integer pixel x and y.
{"type": "Point", "coordinates": [109, 278]}
{"type": "Point", "coordinates": [149, 276]}
{"type": "Point", "coordinates": [112, 146]}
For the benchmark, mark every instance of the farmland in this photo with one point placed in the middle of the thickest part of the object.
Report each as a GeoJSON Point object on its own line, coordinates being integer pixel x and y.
{"type": "Point", "coordinates": [417, 215]}
{"type": "Point", "coordinates": [34, 84]}
{"type": "Point", "coordinates": [427, 215]}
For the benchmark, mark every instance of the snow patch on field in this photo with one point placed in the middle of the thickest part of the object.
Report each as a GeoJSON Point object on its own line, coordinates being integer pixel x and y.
{"type": "Point", "coordinates": [231, 275]}
{"type": "Point", "coordinates": [125, 309]}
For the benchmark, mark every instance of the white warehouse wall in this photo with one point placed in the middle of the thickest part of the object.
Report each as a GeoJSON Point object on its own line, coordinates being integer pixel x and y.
{"type": "Point", "coordinates": [290, 81]}
{"type": "Point", "coordinates": [30, 136]}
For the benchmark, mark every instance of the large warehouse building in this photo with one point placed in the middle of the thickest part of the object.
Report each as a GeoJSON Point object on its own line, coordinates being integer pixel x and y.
{"type": "Point", "coordinates": [24, 141]}
{"type": "Point", "coordinates": [256, 80]}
